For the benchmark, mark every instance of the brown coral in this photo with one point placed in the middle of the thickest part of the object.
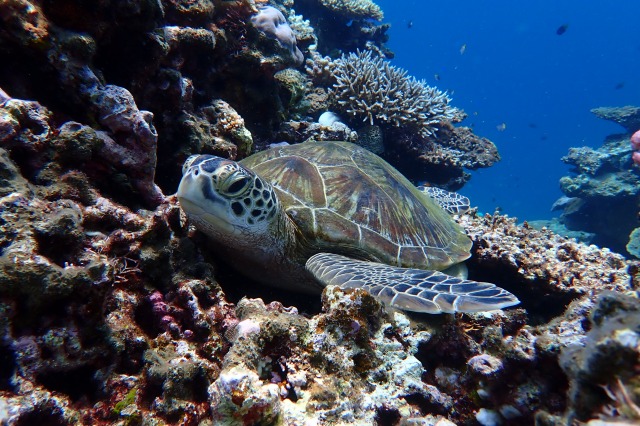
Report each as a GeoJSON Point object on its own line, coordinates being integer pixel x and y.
{"type": "Point", "coordinates": [544, 269]}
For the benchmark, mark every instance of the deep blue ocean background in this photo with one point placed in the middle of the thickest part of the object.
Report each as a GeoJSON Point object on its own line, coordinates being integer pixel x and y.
{"type": "Point", "coordinates": [518, 71]}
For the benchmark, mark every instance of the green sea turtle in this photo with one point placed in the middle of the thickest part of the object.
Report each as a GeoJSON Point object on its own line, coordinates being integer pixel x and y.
{"type": "Point", "coordinates": [309, 215]}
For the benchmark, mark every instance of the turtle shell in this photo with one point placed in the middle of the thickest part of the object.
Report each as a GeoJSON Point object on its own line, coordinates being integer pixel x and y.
{"type": "Point", "coordinates": [347, 200]}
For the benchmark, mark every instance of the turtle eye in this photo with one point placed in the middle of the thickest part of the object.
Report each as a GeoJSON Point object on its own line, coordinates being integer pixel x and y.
{"type": "Point", "coordinates": [238, 186]}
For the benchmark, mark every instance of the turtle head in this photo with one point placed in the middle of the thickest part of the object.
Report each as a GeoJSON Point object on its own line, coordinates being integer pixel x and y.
{"type": "Point", "coordinates": [225, 199]}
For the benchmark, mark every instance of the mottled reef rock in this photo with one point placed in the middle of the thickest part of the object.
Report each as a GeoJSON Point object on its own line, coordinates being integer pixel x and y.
{"type": "Point", "coordinates": [627, 116]}
{"type": "Point", "coordinates": [603, 192]}
{"type": "Point", "coordinates": [114, 311]}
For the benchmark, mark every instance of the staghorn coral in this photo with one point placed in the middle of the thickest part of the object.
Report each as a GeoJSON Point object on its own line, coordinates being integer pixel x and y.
{"type": "Point", "coordinates": [371, 89]}
{"type": "Point", "coordinates": [411, 142]}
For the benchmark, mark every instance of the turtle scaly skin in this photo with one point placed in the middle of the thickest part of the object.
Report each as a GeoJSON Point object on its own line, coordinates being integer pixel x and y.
{"type": "Point", "coordinates": [309, 215]}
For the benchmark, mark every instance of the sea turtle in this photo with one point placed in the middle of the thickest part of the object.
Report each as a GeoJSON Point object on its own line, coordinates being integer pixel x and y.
{"type": "Point", "coordinates": [309, 215]}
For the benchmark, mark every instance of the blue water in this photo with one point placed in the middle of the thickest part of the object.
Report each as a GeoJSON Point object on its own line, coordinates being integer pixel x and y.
{"type": "Point", "coordinates": [516, 70]}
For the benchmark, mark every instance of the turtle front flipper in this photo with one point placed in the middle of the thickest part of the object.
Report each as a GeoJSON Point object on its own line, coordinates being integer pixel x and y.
{"type": "Point", "coordinates": [414, 290]}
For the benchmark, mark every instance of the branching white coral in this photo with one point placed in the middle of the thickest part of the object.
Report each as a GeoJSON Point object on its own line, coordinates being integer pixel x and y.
{"type": "Point", "coordinates": [371, 89]}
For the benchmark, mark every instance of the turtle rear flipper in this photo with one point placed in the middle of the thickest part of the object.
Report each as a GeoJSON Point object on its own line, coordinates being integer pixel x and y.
{"type": "Point", "coordinates": [451, 202]}
{"type": "Point", "coordinates": [414, 290]}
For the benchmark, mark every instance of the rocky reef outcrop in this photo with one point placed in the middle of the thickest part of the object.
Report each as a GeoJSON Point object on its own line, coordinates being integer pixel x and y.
{"type": "Point", "coordinates": [111, 315]}
{"type": "Point", "coordinates": [603, 192]}
{"type": "Point", "coordinates": [114, 311]}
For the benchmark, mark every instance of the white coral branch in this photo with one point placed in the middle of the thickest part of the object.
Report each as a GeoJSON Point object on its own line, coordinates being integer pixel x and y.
{"type": "Point", "coordinates": [373, 90]}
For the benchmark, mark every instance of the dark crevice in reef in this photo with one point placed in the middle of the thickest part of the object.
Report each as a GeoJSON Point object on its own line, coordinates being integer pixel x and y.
{"type": "Point", "coordinates": [236, 286]}
{"type": "Point", "coordinates": [145, 319]}
{"type": "Point", "coordinates": [541, 306]}
{"type": "Point", "coordinates": [425, 406]}
{"type": "Point", "coordinates": [78, 383]}
{"type": "Point", "coordinates": [387, 416]}
{"type": "Point", "coordinates": [42, 416]}
{"type": "Point", "coordinates": [7, 367]}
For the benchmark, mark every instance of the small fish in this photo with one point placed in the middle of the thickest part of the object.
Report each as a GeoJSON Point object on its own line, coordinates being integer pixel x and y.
{"type": "Point", "coordinates": [501, 127]}
{"type": "Point", "coordinates": [463, 48]}
{"type": "Point", "coordinates": [619, 85]}
{"type": "Point", "coordinates": [475, 112]}
{"type": "Point", "coordinates": [436, 77]}
{"type": "Point", "coordinates": [409, 24]}
{"type": "Point", "coordinates": [533, 125]}
{"type": "Point", "coordinates": [562, 29]}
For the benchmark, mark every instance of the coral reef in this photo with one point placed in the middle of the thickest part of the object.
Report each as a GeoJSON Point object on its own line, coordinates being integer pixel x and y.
{"type": "Point", "coordinates": [114, 311]}
{"type": "Point", "coordinates": [354, 9]}
{"type": "Point", "coordinates": [272, 22]}
{"type": "Point", "coordinates": [151, 335]}
{"type": "Point", "coordinates": [345, 25]}
{"type": "Point", "coordinates": [627, 116]}
{"type": "Point", "coordinates": [540, 257]}
{"type": "Point", "coordinates": [603, 366]}
{"type": "Point", "coordinates": [370, 89]}
{"type": "Point", "coordinates": [416, 134]}
{"type": "Point", "coordinates": [604, 189]}
{"type": "Point", "coordinates": [635, 146]}
{"type": "Point", "coordinates": [442, 158]}
{"type": "Point", "coordinates": [286, 367]}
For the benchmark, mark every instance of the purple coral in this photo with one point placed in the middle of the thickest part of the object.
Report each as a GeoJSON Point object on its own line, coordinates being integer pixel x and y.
{"type": "Point", "coordinates": [635, 145]}
{"type": "Point", "coordinates": [272, 22]}
{"type": "Point", "coordinates": [131, 143]}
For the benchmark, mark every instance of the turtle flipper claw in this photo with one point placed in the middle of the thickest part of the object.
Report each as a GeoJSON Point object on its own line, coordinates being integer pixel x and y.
{"type": "Point", "coordinates": [414, 290]}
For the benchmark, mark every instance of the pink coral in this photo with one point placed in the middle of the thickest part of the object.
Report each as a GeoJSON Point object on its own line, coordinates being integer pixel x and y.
{"type": "Point", "coordinates": [635, 141]}
{"type": "Point", "coordinates": [636, 157]}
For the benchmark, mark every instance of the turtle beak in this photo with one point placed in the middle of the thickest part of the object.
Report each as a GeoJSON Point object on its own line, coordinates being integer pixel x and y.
{"type": "Point", "coordinates": [201, 204]}
{"type": "Point", "coordinates": [196, 188]}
